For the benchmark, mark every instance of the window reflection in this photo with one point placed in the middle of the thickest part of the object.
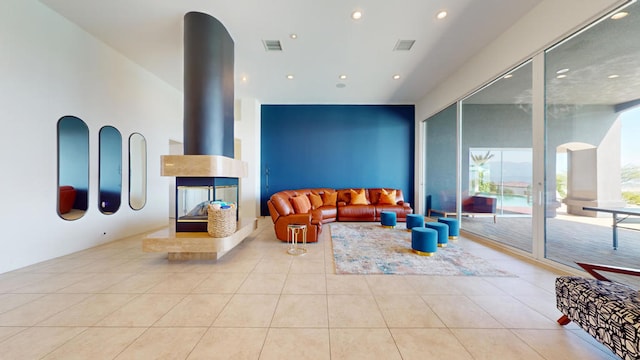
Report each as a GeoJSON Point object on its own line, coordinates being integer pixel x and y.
{"type": "Point", "coordinates": [73, 167]}
{"type": "Point", "coordinates": [440, 164]}
{"type": "Point", "coordinates": [110, 173]}
{"type": "Point", "coordinates": [497, 159]}
{"type": "Point", "coordinates": [137, 171]}
{"type": "Point", "coordinates": [592, 89]}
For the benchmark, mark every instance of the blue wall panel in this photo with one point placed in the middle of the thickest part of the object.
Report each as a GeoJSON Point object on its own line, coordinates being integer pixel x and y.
{"type": "Point", "coordinates": [336, 146]}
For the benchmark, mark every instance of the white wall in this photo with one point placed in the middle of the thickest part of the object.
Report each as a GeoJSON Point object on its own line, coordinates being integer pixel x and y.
{"type": "Point", "coordinates": [546, 24]}
{"type": "Point", "coordinates": [247, 129]}
{"type": "Point", "coordinates": [50, 68]}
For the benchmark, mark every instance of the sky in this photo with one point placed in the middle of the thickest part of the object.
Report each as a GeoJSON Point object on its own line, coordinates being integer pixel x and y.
{"type": "Point", "coordinates": [630, 137]}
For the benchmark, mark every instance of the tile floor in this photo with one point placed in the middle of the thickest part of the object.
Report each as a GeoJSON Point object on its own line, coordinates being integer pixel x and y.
{"type": "Point", "coordinates": [257, 302]}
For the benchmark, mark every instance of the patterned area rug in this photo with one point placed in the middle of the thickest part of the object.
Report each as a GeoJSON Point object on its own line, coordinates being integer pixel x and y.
{"type": "Point", "coordinates": [368, 248]}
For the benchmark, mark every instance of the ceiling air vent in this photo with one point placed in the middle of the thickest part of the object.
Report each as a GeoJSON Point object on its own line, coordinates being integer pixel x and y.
{"type": "Point", "coordinates": [272, 45]}
{"type": "Point", "coordinates": [403, 45]}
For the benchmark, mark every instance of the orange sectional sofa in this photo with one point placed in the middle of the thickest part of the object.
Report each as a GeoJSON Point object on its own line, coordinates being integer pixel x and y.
{"type": "Point", "coordinates": [315, 207]}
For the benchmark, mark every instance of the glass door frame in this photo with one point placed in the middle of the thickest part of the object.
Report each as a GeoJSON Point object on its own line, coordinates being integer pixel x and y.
{"type": "Point", "coordinates": [539, 158]}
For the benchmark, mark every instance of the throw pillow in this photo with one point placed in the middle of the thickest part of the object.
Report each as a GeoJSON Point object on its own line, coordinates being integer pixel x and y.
{"type": "Point", "coordinates": [316, 200]}
{"type": "Point", "coordinates": [358, 197]}
{"type": "Point", "coordinates": [329, 198]}
{"type": "Point", "coordinates": [387, 197]}
{"type": "Point", "coordinates": [301, 204]}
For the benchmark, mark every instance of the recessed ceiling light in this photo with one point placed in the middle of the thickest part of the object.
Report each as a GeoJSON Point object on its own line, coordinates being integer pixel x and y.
{"type": "Point", "coordinates": [562, 71]}
{"type": "Point", "coordinates": [619, 15]}
{"type": "Point", "coordinates": [356, 15]}
{"type": "Point", "coordinates": [508, 76]}
{"type": "Point", "coordinates": [293, 36]}
{"type": "Point", "coordinates": [613, 76]}
{"type": "Point", "coordinates": [243, 78]}
{"type": "Point", "coordinates": [396, 77]}
{"type": "Point", "coordinates": [561, 76]}
{"type": "Point", "coordinates": [342, 77]}
{"type": "Point", "coordinates": [441, 14]}
{"type": "Point", "coordinates": [290, 77]}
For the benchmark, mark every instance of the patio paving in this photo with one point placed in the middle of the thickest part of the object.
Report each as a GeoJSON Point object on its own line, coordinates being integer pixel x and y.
{"type": "Point", "coordinates": [569, 238]}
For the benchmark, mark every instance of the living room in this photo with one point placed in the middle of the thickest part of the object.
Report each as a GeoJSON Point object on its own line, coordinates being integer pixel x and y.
{"type": "Point", "coordinates": [55, 69]}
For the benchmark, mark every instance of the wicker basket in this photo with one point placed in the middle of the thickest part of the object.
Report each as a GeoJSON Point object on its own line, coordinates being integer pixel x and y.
{"type": "Point", "coordinates": [221, 222]}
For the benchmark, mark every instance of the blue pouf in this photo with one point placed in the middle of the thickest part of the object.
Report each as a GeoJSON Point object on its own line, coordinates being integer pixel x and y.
{"type": "Point", "coordinates": [454, 227]}
{"type": "Point", "coordinates": [443, 232]}
{"type": "Point", "coordinates": [414, 220]}
{"type": "Point", "coordinates": [424, 241]}
{"type": "Point", "coordinates": [388, 219]}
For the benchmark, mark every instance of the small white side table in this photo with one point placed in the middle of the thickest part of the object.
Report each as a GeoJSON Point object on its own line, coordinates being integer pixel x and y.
{"type": "Point", "coordinates": [294, 232]}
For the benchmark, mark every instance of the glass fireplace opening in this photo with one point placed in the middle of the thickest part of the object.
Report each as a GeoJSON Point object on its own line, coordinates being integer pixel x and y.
{"type": "Point", "coordinates": [193, 196]}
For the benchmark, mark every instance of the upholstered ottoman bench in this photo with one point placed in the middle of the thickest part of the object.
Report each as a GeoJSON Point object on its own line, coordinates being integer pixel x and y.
{"type": "Point", "coordinates": [443, 232]}
{"type": "Point", "coordinates": [424, 241]}
{"type": "Point", "coordinates": [388, 219]}
{"type": "Point", "coordinates": [608, 311]}
{"type": "Point", "coordinates": [454, 227]}
{"type": "Point", "coordinates": [414, 220]}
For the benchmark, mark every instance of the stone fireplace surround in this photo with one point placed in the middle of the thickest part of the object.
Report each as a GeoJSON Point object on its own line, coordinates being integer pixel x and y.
{"type": "Point", "coordinates": [208, 135]}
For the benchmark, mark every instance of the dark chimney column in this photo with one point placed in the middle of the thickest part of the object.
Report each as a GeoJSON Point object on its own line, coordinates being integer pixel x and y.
{"type": "Point", "coordinates": [208, 86]}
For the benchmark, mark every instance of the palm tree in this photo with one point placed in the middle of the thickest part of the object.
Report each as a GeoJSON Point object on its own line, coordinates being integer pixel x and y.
{"type": "Point", "coordinates": [479, 161]}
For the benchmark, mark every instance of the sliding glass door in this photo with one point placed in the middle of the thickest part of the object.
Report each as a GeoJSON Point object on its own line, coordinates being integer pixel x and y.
{"type": "Point", "coordinates": [440, 160]}
{"type": "Point", "coordinates": [592, 124]}
{"type": "Point", "coordinates": [544, 141]}
{"type": "Point", "coordinates": [496, 160]}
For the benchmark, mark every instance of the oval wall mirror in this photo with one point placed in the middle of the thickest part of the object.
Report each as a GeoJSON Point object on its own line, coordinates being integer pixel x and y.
{"type": "Point", "coordinates": [73, 168]}
{"type": "Point", "coordinates": [110, 170]}
{"type": "Point", "coordinates": [137, 171]}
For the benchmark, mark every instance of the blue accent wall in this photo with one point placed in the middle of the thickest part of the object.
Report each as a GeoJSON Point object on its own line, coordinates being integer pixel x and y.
{"type": "Point", "coordinates": [336, 146]}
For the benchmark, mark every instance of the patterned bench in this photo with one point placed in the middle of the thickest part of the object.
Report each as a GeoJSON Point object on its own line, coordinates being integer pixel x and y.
{"type": "Point", "coordinates": [607, 310]}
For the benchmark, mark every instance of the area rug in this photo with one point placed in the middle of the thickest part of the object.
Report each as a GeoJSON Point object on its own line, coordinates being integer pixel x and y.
{"type": "Point", "coordinates": [368, 248]}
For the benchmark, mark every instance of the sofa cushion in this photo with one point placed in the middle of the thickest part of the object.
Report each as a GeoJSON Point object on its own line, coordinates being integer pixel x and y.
{"type": "Point", "coordinates": [357, 213]}
{"type": "Point", "coordinates": [301, 204]}
{"type": "Point", "coordinates": [282, 204]}
{"type": "Point", "coordinates": [329, 198]}
{"type": "Point", "coordinates": [316, 200]}
{"type": "Point", "coordinates": [358, 197]}
{"type": "Point", "coordinates": [388, 198]}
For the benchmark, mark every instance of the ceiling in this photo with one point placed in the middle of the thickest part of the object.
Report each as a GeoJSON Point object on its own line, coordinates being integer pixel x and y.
{"type": "Point", "coordinates": [329, 42]}
{"type": "Point", "coordinates": [590, 68]}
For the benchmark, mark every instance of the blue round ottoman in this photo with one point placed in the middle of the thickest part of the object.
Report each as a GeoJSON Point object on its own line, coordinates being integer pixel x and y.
{"type": "Point", "coordinates": [424, 241]}
{"type": "Point", "coordinates": [443, 232]}
{"type": "Point", "coordinates": [454, 227]}
{"type": "Point", "coordinates": [414, 220]}
{"type": "Point", "coordinates": [388, 219]}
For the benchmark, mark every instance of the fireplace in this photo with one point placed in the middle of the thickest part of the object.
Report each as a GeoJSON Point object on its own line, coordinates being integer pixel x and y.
{"type": "Point", "coordinates": [194, 194]}
{"type": "Point", "coordinates": [207, 171]}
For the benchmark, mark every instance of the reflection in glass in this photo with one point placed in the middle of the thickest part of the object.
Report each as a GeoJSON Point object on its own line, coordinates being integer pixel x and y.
{"type": "Point", "coordinates": [503, 174]}
{"type": "Point", "coordinates": [440, 164]}
{"type": "Point", "coordinates": [592, 89]}
{"type": "Point", "coordinates": [137, 171]}
{"type": "Point", "coordinates": [497, 159]}
{"type": "Point", "coordinates": [110, 173]}
{"type": "Point", "coordinates": [73, 167]}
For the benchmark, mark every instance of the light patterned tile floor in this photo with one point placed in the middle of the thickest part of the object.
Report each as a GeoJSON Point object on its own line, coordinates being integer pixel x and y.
{"type": "Point", "coordinates": [257, 302]}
